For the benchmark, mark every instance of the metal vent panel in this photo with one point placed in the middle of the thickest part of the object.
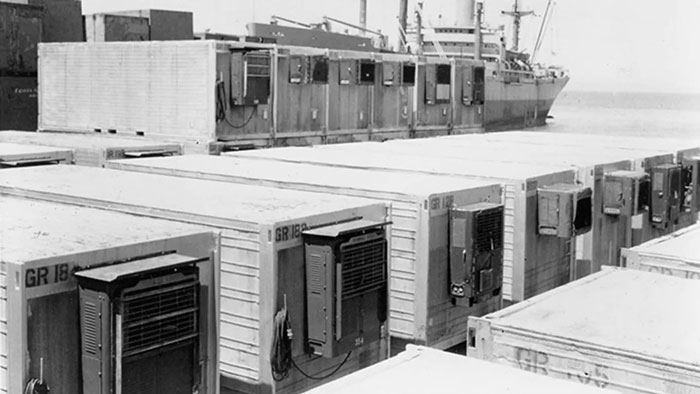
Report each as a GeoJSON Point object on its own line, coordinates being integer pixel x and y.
{"type": "Point", "coordinates": [489, 230]}
{"type": "Point", "coordinates": [363, 266]}
{"type": "Point", "coordinates": [160, 316]}
{"type": "Point", "coordinates": [316, 272]}
{"type": "Point", "coordinates": [91, 328]}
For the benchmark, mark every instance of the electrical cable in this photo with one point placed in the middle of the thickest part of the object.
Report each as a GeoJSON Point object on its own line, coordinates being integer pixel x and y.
{"type": "Point", "coordinates": [221, 107]}
{"type": "Point", "coordinates": [281, 360]}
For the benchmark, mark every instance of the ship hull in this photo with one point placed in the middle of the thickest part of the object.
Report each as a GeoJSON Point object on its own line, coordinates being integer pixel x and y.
{"type": "Point", "coordinates": [515, 105]}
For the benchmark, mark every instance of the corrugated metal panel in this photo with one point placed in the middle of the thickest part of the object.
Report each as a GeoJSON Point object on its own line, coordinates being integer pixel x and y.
{"type": "Point", "coordinates": [128, 87]}
{"type": "Point", "coordinates": [3, 332]}
{"type": "Point", "coordinates": [403, 269]}
{"type": "Point", "coordinates": [240, 304]}
{"type": "Point", "coordinates": [508, 239]}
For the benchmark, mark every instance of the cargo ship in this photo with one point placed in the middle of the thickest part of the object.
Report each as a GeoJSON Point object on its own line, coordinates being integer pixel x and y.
{"type": "Point", "coordinates": [518, 91]}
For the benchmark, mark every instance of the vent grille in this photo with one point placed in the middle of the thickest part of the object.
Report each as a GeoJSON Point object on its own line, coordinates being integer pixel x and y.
{"type": "Point", "coordinates": [160, 316]}
{"type": "Point", "coordinates": [90, 324]}
{"type": "Point", "coordinates": [363, 266]}
{"type": "Point", "coordinates": [316, 275]}
{"type": "Point", "coordinates": [489, 230]}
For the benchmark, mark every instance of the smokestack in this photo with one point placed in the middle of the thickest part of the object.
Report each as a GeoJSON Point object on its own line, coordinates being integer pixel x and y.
{"type": "Point", "coordinates": [403, 17]}
{"type": "Point", "coordinates": [477, 31]}
{"type": "Point", "coordinates": [363, 15]}
{"type": "Point", "coordinates": [464, 13]}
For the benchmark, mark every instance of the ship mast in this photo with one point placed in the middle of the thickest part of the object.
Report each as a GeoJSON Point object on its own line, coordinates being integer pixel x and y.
{"type": "Point", "coordinates": [516, 14]}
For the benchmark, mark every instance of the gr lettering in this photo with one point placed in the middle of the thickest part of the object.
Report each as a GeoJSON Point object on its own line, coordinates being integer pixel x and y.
{"type": "Point", "coordinates": [36, 277]}
{"type": "Point", "coordinates": [532, 360]}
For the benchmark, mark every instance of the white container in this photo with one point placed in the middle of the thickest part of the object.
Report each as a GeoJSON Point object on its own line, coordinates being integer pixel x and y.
{"type": "Point", "coordinates": [262, 254]}
{"type": "Point", "coordinates": [532, 264]}
{"type": "Point", "coordinates": [627, 330]}
{"type": "Point", "coordinates": [602, 244]}
{"type": "Point", "coordinates": [16, 155]}
{"type": "Point", "coordinates": [421, 307]}
{"type": "Point", "coordinates": [43, 243]}
{"type": "Point", "coordinates": [94, 149]}
{"type": "Point", "coordinates": [675, 254]}
{"type": "Point", "coordinates": [423, 370]}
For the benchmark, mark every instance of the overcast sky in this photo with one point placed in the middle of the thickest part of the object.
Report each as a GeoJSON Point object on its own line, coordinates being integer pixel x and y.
{"type": "Point", "coordinates": [608, 45]}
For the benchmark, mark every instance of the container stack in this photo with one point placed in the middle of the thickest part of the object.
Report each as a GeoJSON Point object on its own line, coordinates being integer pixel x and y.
{"type": "Point", "coordinates": [303, 276]}
{"type": "Point", "coordinates": [534, 260]}
{"type": "Point", "coordinates": [423, 307]}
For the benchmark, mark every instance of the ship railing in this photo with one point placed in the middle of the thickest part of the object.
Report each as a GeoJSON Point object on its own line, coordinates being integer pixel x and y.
{"type": "Point", "coordinates": [510, 76]}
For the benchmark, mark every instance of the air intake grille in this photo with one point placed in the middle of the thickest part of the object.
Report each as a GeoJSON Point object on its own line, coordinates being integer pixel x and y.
{"type": "Point", "coordinates": [160, 315]}
{"type": "Point", "coordinates": [363, 266]}
{"type": "Point", "coordinates": [90, 322]}
{"type": "Point", "coordinates": [489, 230]}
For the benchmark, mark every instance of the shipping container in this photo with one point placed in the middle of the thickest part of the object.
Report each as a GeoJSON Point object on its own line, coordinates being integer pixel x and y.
{"type": "Point", "coordinates": [20, 33]}
{"type": "Point", "coordinates": [533, 262]}
{"type": "Point", "coordinates": [424, 370]}
{"type": "Point", "coordinates": [686, 153]}
{"type": "Point", "coordinates": [239, 95]}
{"type": "Point", "coordinates": [18, 103]}
{"type": "Point", "coordinates": [95, 149]}
{"type": "Point", "coordinates": [422, 308]}
{"type": "Point", "coordinates": [609, 232]}
{"type": "Point", "coordinates": [111, 27]}
{"type": "Point", "coordinates": [62, 20]}
{"type": "Point", "coordinates": [164, 24]}
{"type": "Point", "coordinates": [318, 259]}
{"type": "Point", "coordinates": [17, 155]}
{"type": "Point", "coordinates": [618, 329]}
{"type": "Point", "coordinates": [675, 254]}
{"type": "Point", "coordinates": [75, 283]}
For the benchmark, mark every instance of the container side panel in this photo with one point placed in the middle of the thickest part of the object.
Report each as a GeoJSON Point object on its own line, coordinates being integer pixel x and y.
{"type": "Point", "coordinates": [600, 366]}
{"type": "Point", "coordinates": [665, 265]}
{"type": "Point", "coordinates": [141, 87]}
{"type": "Point", "coordinates": [404, 236]}
{"type": "Point", "coordinates": [3, 332]}
{"type": "Point", "coordinates": [240, 305]}
{"type": "Point", "coordinates": [508, 240]}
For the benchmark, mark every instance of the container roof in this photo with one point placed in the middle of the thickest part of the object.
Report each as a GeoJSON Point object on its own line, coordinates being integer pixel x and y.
{"type": "Point", "coordinates": [410, 163]}
{"type": "Point", "coordinates": [425, 370]}
{"type": "Point", "coordinates": [31, 229]}
{"type": "Point", "coordinates": [682, 245]}
{"type": "Point", "coordinates": [79, 140]}
{"type": "Point", "coordinates": [670, 145]}
{"type": "Point", "coordinates": [308, 174]}
{"type": "Point", "coordinates": [611, 308]}
{"type": "Point", "coordinates": [15, 150]}
{"type": "Point", "coordinates": [219, 200]}
{"type": "Point", "coordinates": [483, 148]}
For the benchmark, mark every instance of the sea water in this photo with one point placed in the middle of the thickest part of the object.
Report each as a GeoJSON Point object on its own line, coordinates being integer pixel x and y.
{"type": "Point", "coordinates": [633, 114]}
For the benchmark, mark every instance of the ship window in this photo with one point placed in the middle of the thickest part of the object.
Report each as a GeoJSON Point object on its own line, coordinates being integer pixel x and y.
{"type": "Point", "coordinates": [367, 72]}
{"type": "Point", "coordinates": [443, 74]}
{"type": "Point", "coordinates": [319, 69]}
{"type": "Point", "coordinates": [409, 74]}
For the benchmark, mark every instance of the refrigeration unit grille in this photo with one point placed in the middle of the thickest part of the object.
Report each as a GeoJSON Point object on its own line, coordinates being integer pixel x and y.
{"type": "Point", "coordinates": [363, 266]}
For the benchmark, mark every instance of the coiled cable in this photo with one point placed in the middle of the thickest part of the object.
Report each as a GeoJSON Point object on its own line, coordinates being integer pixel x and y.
{"type": "Point", "coordinates": [281, 359]}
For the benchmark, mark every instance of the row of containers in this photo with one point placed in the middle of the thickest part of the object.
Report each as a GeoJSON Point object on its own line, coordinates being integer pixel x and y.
{"type": "Point", "coordinates": [225, 95]}
{"type": "Point", "coordinates": [278, 270]}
